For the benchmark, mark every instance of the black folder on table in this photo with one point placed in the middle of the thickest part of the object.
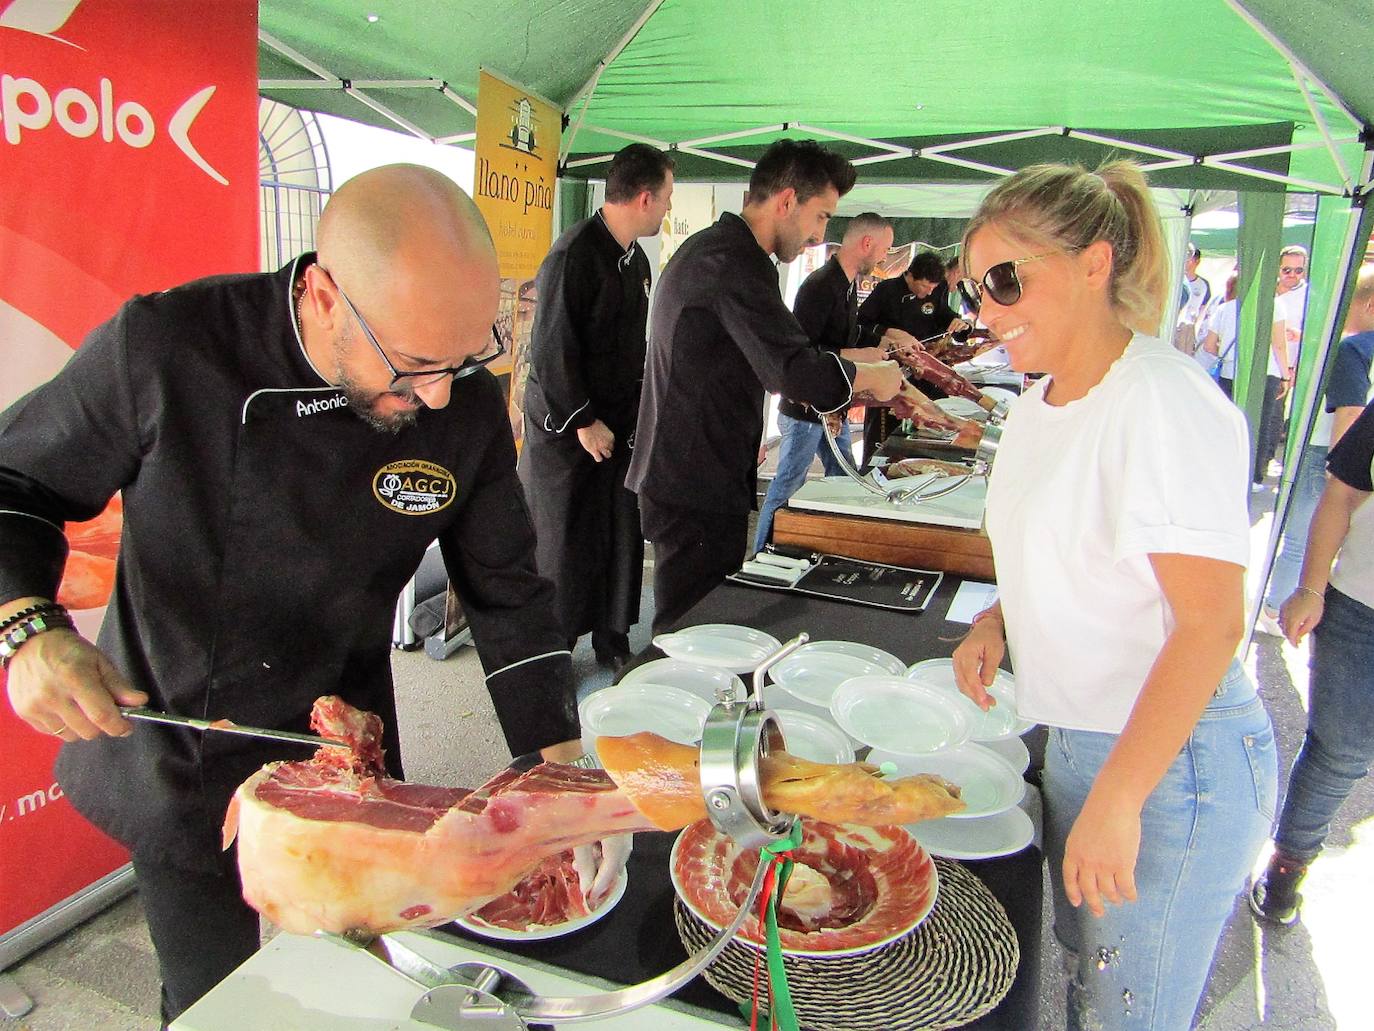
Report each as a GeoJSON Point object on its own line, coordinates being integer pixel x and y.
{"type": "Point", "coordinates": [854, 580]}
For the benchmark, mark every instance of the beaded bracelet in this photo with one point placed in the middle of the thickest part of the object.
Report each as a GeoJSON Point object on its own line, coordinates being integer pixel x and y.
{"type": "Point", "coordinates": [13, 638]}
{"type": "Point", "coordinates": [33, 610]}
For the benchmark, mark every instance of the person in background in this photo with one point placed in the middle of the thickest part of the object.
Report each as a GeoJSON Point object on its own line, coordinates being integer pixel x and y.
{"type": "Point", "coordinates": [286, 452]}
{"type": "Point", "coordinates": [915, 303]}
{"type": "Point", "coordinates": [1290, 296]}
{"type": "Point", "coordinates": [719, 335]}
{"type": "Point", "coordinates": [1335, 605]}
{"type": "Point", "coordinates": [1220, 332]}
{"type": "Point", "coordinates": [1160, 773]}
{"type": "Point", "coordinates": [582, 402]}
{"type": "Point", "coordinates": [1348, 390]}
{"type": "Point", "coordinates": [827, 307]}
{"type": "Point", "coordinates": [1196, 295]}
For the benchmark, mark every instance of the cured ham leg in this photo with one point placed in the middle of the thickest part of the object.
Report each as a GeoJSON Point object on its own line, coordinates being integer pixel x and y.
{"type": "Point", "coordinates": [333, 844]}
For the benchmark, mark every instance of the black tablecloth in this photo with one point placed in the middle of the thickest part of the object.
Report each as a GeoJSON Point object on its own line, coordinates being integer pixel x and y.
{"type": "Point", "coordinates": [637, 939]}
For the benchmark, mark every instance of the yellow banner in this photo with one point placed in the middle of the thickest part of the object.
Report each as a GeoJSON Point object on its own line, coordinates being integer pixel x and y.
{"type": "Point", "coordinates": [518, 135]}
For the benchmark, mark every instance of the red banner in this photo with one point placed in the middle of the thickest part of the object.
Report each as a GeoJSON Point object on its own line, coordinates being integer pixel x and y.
{"type": "Point", "coordinates": [128, 163]}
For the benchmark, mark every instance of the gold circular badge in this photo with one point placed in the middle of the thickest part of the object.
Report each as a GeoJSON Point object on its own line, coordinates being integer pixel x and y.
{"type": "Point", "coordinates": [414, 487]}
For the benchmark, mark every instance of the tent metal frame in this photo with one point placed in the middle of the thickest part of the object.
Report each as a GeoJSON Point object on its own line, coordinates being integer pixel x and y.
{"type": "Point", "coordinates": [327, 80]}
{"type": "Point", "coordinates": [1304, 79]}
{"type": "Point", "coordinates": [1227, 161]}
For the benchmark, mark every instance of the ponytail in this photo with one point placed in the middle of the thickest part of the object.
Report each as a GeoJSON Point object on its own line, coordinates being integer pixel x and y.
{"type": "Point", "coordinates": [1069, 208]}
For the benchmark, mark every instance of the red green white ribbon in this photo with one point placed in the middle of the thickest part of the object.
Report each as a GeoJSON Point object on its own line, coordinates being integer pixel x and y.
{"type": "Point", "coordinates": [778, 856]}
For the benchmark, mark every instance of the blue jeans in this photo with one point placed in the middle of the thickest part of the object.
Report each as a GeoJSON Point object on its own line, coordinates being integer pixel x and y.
{"type": "Point", "coordinates": [801, 442]}
{"type": "Point", "coordinates": [1144, 964]}
{"type": "Point", "coordinates": [1339, 745]}
{"type": "Point", "coordinates": [1308, 485]}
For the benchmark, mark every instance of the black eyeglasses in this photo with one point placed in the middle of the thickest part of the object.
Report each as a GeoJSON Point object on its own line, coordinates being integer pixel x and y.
{"type": "Point", "coordinates": [1001, 282]}
{"type": "Point", "coordinates": [423, 377]}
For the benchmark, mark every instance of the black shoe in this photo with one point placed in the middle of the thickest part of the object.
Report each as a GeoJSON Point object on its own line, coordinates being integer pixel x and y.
{"type": "Point", "coordinates": [1274, 898]}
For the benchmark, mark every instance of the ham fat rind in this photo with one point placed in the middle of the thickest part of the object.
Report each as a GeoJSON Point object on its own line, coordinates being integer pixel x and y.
{"type": "Point", "coordinates": [332, 844]}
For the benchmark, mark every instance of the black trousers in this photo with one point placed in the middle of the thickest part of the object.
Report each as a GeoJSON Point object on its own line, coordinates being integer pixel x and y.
{"type": "Point", "coordinates": [200, 926]}
{"type": "Point", "coordinates": [694, 551]}
{"type": "Point", "coordinates": [1270, 426]}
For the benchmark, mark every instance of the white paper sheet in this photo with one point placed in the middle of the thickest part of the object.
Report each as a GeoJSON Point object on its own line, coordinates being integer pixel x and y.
{"type": "Point", "coordinates": [970, 599]}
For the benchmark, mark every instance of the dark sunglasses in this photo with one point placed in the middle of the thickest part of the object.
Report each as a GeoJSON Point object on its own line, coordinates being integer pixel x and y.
{"type": "Point", "coordinates": [1001, 282]}
{"type": "Point", "coordinates": [423, 377]}
{"type": "Point", "coordinates": [1292, 271]}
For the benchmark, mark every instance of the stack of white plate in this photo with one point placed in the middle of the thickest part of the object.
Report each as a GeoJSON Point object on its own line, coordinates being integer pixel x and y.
{"type": "Point", "coordinates": [666, 711]}
{"type": "Point", "coordinates": [923, 724]}
{"type": "Point", "coordinates": [740, 649]}
{"type": "Point", "coordinates": [703, 681]}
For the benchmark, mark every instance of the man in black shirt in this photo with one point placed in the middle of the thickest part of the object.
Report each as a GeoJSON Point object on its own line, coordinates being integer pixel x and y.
{"type": "Point", "coordinates": [827, 307]}
{"type": "Point", "coordinates": [286, 452]}
{"type": "Point", "coordinates": [719, 334]}
{"type": "Point", "coordinates": [917, 302]}
{"type": "Point", "coordinates": [582, 400]}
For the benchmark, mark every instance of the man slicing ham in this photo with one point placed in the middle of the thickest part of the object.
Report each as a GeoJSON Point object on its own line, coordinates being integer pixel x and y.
{"type": "Point", "coordinates": [287, 446]}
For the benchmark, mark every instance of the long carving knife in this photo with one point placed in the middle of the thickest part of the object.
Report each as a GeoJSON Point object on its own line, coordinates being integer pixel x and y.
{"type": "Point", "coordinates": [153, 716]}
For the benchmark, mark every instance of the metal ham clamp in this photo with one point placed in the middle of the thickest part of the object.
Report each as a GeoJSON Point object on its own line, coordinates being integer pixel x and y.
{"type": "Point", "coordinates": [481, 995]}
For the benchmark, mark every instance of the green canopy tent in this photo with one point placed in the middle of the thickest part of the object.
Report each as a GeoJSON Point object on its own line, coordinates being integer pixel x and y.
{"type": "Point", "coordinates": [1258, 96]}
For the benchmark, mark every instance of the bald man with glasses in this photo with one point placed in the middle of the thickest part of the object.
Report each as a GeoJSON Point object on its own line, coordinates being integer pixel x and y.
{"type": "Point", "coordinates": [287, 446]}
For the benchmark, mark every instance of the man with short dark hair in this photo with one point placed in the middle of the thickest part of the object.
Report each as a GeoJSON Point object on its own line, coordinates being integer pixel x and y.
{"type": "Point", "coordinates": [582, 400]}
{"type": "Point", "coordinates": [827, 307]}
{"type": "Point", "coordinates": [917, 303]}
{"type": "Point", "coordinates": [719, 335]}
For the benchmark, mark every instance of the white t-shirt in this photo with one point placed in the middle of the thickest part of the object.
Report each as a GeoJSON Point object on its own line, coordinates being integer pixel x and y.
{"type": "Point", "coordinates": [1153, 460]}
{"type": "Point", "coordinates": [1292, 307]}
{"type": "Point", "coordinates": [1222, 322]}
{"type": "Point", "coordinates": [1198, 290]}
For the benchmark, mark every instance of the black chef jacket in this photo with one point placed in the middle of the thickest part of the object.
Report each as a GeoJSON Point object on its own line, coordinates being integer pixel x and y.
{"type": "Point", "coordinates": [719, 334]}
{"type": "Point", "coordinates": [267, 534]}
{"type": "Point", "coordinates": [827, 307]}
{"type": "Point", "coordinates": [587, 350]}
{"type": "Point", "coordinates": [892, 305]}
{"type": "Point", "coordinates": [587, 363]}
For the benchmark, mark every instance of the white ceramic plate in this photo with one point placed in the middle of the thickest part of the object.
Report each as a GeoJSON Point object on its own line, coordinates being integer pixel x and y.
{"type": "Point", "coordinates": [1001, 394]}
{"type": "Point", "coordinates": [987, 782]}
{"type": "Point", "coordinates": [999, 722]}
{"type": "Point", "coordinates": [812, 737]}
{"type": "Point", "coordinates": [812, 673]}
{"type": "Point", "coordinates": [984, 838]}
{"type": "Point", "coordinates": [899, 715]}
{"type": "Point", "coordinates": [740, 649]}
{"type": "Point", "coordinates": [1013, 750]}
{"type": "Point", "coordinates": [961, 408]}
{"type": "Point", "coordinates": [477, 926]}
{"type": "Point", "coordinates": [666, 711]}
{"type": "Point", "coordinates": [702, 681]}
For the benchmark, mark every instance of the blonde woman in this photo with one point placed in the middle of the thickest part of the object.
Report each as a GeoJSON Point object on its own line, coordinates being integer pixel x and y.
{"type": "Point", "coordinates": [1117, 513]}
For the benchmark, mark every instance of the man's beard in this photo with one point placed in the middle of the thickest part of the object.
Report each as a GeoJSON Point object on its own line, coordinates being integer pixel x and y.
{"type": "Point", "coordinates": [362, 403]}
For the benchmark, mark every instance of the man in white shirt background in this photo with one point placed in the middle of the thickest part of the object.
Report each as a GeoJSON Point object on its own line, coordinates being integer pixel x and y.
{"type": "Point", "coordinates": [1195, 295]}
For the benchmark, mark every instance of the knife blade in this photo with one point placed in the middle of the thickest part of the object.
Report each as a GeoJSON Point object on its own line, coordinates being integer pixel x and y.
{"type": "Point", "coordinates": [153, 716]}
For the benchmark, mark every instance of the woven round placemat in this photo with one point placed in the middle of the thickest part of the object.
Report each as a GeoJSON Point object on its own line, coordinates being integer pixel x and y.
{"type": "Point", "coordinates": [951, 969]}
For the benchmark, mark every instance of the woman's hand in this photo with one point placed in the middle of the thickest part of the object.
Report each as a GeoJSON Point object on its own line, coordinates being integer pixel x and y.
{"type": "Point", "coordinates": [977, 658]}
{"type": "Point", "coordinates": [1300, 614]}
{"type": "Point", "coordinates": [1100, 855]}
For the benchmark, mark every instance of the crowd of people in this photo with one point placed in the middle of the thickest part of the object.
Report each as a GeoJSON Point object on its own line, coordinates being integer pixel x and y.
{"type": "Point", "coordinates": [242, 594]}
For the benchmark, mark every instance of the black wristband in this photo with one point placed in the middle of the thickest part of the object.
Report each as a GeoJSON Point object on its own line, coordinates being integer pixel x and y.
{"type": "Point", "coordinates": [33, 610]}
{"type": "Point", "coordinates": [12, 639]}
